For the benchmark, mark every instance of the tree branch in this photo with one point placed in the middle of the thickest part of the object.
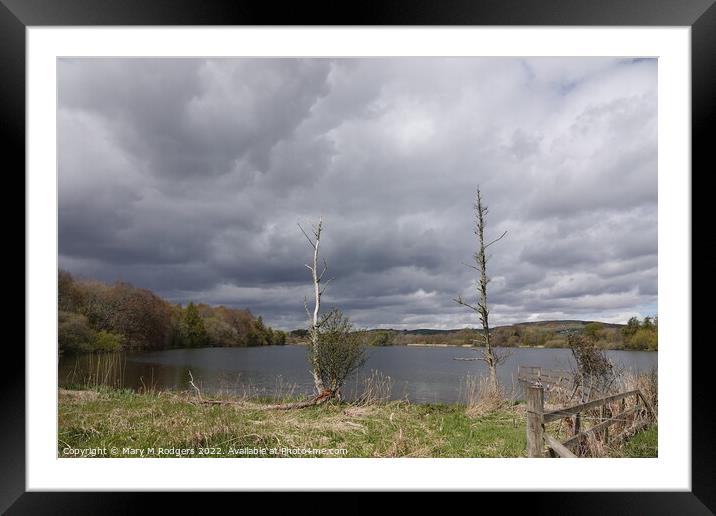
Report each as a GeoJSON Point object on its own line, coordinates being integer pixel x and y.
{"type": "Point", "coordinates": [496, 240]}
{"type": "Point", "coordinates": [307, 237]}
{"type": "Point", "coordinates": [325, 284]}
{"type": "Point", "coordinates": [470, 266]}
{"type": "Point", "coordinates": [323, 320]}
{"type": "Point", "coordinates": [462, 302]}
{"type": "Point", "coordinates": [305, 305]}
{"type": "Point", "coordinates": [325, 268]}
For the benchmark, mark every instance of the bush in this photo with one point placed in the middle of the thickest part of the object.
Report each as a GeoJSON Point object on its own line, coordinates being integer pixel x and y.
{"type": "Point", "coordinates": [594, 369]}
{"type": "Point", "coordinates": [74, 333]}
{"type": "Point", "coordinates": [340, 351]}
{"type": "Point", "coordinates": [278, 338]}
{"type": "Point", "coordinates": [643, 339]}
{"type": "Point", "coordinates": [220, 333]}
{"type": "Point", "coordinates": [594, 330]}
{"type": "Point", "coordinates": [382, 338]}
{"type": "Point", "coordinates": [106, 341]}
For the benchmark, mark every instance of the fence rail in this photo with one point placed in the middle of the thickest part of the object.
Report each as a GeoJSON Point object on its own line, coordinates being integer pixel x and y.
{"type": "Point", "coordinates": [583, 407]}
{"type": "Point", "coordinates": [538, 374]}
{"type": "Point", "coordinates": [558, 447]}
{"type": "Point", "coordinates": [537, 417]}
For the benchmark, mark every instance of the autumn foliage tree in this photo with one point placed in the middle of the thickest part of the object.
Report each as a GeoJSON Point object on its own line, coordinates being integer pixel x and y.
{"type": "Point", "coordinates": [96, 316]}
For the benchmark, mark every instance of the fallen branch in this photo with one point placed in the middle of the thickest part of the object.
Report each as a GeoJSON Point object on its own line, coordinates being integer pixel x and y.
{"type": "Point", "coordinates": [325, 396]}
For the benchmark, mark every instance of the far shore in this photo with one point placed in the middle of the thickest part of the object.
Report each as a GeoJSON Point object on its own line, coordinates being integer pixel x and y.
{"type": "Point", "coordinates": [411, 345]}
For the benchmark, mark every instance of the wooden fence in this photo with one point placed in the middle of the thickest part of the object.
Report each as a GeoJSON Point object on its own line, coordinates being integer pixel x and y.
{"type": "Point", "coordinates": [545, 376]}
{"type": "Point", "coordinates": [537, 417]}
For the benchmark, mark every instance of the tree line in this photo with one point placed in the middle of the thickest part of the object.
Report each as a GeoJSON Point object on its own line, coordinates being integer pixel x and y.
{"type": "Point", "coordinates": [637, 335]}
{"type": "Point", "coordinates": [95, 316]}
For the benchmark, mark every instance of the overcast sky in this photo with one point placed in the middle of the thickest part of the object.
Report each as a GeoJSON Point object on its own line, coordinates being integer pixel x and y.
{"type": "Point", "coordinates": [189, 176]}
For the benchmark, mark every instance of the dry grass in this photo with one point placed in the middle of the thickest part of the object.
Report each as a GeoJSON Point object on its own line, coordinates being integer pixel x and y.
{"type": "Point", "coordinates": [485, 424]}
{"type": "Point", "coordinates": [481, 397]}
{"type": "Point", "coordinates": [376, 388]}
{"type": "Point", "coordinates": [647, 383]}
{"type": "Point", "coordinates": [386, 429]}
{"type": "Point", "coordinates": [619, 433]}
{"type": "Point", "coordinates": [65, 394]}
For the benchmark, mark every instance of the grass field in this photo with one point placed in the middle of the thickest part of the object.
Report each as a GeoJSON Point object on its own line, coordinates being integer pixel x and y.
{"type": "Point", "coordinates": [112, 423]}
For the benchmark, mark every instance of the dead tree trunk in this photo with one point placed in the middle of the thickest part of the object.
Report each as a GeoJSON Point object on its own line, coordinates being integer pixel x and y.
{"type": "Point", "coordinates": [314, 316]}
{"type": "Point", "coordinates": [489, 355]}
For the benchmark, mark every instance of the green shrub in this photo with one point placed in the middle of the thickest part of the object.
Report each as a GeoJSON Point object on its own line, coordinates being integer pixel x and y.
{"type": "Point", "coordinates": [340, 351]}
{"type": "Point", "coordinates": [643, 339]}
{"type": "Point", "coordinates": [107, 341]}
{"type": "Point", "coordinates": [382, 338]}
{"type": "Point", "coordinates": [74, 333]}
{"type": "Point", "coordinates": [220, 333]}
{"type": "Point", "coordinates": [594, 330]}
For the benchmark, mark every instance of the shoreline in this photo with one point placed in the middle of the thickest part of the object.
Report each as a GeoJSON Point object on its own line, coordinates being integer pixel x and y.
{"type": "Point", "coordinates": [411, 345]}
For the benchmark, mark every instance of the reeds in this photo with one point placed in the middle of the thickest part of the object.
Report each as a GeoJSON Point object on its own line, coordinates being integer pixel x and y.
{"type": "Point", "coordinates": [376, 389]}
{"type": "Point", "coordinates": [480, 396]}
{"type": "Point", "coordinates": [102, 369]}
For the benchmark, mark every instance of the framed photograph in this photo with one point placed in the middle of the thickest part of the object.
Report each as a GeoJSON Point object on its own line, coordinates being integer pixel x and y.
{"type": "Point", "coordinates": [435, 246]}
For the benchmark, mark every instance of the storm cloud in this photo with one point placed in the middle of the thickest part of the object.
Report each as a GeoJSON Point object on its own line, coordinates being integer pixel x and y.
{"type": "Point", "coordinates": [189, 177]}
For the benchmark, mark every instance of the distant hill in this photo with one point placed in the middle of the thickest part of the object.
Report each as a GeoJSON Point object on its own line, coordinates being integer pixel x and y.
{"type": "Point", "coordinates": [561, 325]}
{"type": "Point", "coordinates": [553, 326]}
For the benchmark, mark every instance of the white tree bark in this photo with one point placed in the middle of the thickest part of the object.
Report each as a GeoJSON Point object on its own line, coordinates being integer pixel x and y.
{"type": "Point", "coordinates": [315, 320]}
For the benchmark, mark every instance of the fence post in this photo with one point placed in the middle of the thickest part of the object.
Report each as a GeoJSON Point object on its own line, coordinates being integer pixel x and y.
{"type": "Point", "coordinates": [535, 421]}
{"type": "Point", "coordinates": [577, 423]}
{"type": "Point", "coordinates": [605, 416]}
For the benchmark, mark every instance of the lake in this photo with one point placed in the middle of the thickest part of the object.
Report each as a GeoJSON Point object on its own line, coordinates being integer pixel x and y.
{"type": "Point", "coordinates": [419, 374]}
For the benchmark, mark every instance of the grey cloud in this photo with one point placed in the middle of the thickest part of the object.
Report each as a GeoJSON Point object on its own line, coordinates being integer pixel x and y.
{"type": "Point", "coordinates": [189, 176]}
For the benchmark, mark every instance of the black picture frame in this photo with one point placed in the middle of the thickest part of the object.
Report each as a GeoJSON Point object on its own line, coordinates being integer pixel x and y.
{"type": "Point", "coordinates": [16, 15]}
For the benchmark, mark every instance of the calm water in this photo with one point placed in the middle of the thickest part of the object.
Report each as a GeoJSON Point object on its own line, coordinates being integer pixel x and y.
{"type": "Point", "coordinates": [420, 374]}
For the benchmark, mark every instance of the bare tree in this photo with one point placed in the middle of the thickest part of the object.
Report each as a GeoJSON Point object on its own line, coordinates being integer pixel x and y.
{"type": "Point", "coordinates": [489, 354]}
{"type": "Point", "coordinates": [315, 320]}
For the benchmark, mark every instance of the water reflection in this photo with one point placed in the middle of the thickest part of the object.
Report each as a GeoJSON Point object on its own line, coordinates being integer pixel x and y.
{"type": "Point", "coordinates": [420, 374]}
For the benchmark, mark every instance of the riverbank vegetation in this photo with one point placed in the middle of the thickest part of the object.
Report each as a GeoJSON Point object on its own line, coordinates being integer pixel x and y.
{"type": "Point", "coordinates": [95, 316]}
